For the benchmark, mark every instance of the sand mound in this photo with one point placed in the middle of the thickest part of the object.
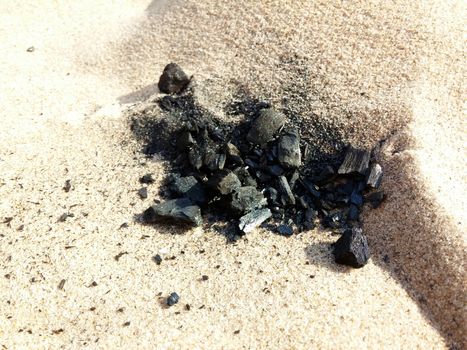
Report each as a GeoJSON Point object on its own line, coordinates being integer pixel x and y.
{"type": "Point", "coordinates": [367, 71]}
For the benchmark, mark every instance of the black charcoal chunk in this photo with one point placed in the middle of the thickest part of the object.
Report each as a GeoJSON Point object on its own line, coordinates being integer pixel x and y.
{"type": "Point", "coordinates": [173, 299]}
{"type": "Point", "coordinates": [245, 178]}
{"type": "Point", "coordinates": [181, 210]}
{"type": "Point", "coordinates": [285, 230]}
{"type": "Point", "coordinates": [272, 195]}
{"type": "Point", "coordinates": [356, 161]}
{"type": "Point", "coordinates": [147, 179]}
{"type": "Point", "coordinates": [375, 198]}
{"type": "Point", "coordinates": [233, 154]}
{"type": "Point", "coordinates": [311, 188]}
{"type": "Point", "coordinates": [356, 198]}
{"type": "Point", "coordinates": [352, 249]}
{"type": "Point", "coordinates": [195, 157]}
{"type": "Point", "coordinates": [253, 219]}
{"type": "Point", "coordinates": [185, 141]}
{"type": "Point", "coordinates": [247, 198]}
{"type": "Point", "coordinates": [288, 150]}
{"type": "Point", "coordinates": [335, 220]}
{"type": "Point", "coordinates": [275, 170]}
{"type": "Point", "coordinates": [353, 213]}
{"type": "Point", "coordinates": [157, 259]}
{"type": "Point", "coordinates": [189, 187]}
{"type": "Point", "coordinates": [225, 182]}
{"type": "Point", "coordinates": [265, 126]}
{"type": "Point", "coordinates": [214, 161]}
{"type": "Point", "coordinates": [375, 176]}
{"type": "Point", "coordinates": [294, 178]}
{"type": "Point", "coordinates": [173, 79]}
{"type": "Point", "coordinates": [143, 192]}
{"type": "Point", "coordinates": [285, 191]}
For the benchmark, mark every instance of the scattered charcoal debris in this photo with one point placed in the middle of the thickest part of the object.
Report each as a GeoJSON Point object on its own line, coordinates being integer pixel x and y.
{"type": "Point", "coordinates": [157, 259]}
{"type": "Point", "coordinates": [204, 277]}
{"type": "Point", "coordinates": [147, 179]}
{"type": "Point", "coordinates": [187, 307]}
{"type": "Point", "coordinates": [269, 169]}
{"type": "Point", "coordinates": [173, 299]}
{"type": "Point", "coordinates": [126, 324]}
{"type": "Point", "coordinates": [352, 248]}
{"type": "Point", "coordinates": [173, 80]}
{"type": "Point", "coordinates": [67, 186]}
{"type": "Point", "coordinates": [31, 49]}
{"type": "Point", "coordinates": [143, 192]}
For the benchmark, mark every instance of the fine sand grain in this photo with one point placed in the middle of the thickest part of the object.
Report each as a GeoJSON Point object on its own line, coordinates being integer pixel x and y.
{"type": "Point", "coordinates": [366, 70]}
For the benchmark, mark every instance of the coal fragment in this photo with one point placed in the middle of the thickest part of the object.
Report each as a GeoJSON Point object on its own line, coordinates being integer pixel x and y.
{"type": "Point", "coordinates": [356, 198]}
{"type": "Point", "coordinates": [285, 230]}
{"type": "Point", "coordinates": [335, 220]}
{"type": "Point", "coordinates": [375, 176]}
{"type": "Point", "coordinates": [246, 198]}
{"type": "Point", "coordinates": [233, 154]}
{"type": "Point", "coordinates": [147, 179]}
{"type": "Point", "coordinates": [355, 161]}
{"type": "Point", "coordinates": [225, 182]}
{"type": "Point", "coordinates": [288, 150]}
{"type": "Point", "coordinates": [173, 79]}
{"type": "Point", "coordinates": [286, 193]}
{"type": "Point", "coordinates": [353, 213]}
{"type": "Point", "coordinates": [173, 299]}
{"type": "Point", "coordinates": [184, 141]}
{"type": "Point", "coordinates": [189, 187]}
{"type": "Point", "coordinates": [67, 186]}
{"type": "Point", "coordinates": [157, 259]}
{"type": "Point", "coordinates": [375, 198]}
{"type": "Point", "coordinates": [352, 248]}
{"type": "Point", "coordinates": [143, 192]}
{"type": "Point", "coordinates": [244, 176]}
{"type": "Point", "coordinates": [179, 210]}
{"type": "Point", "coordinates": [195, 157]}
{"type": "Point", "coordinates": [214, 161]}
{"type": "Point", "coordinates": [272, 195]}
{"type": "Point", "coordinates": [253, 219]}
{"type": "Point", "coordinates": [311, 188]}
{"type": "Point", "coordinates": [275, 170]}
{"type": "Point", "coordinates": [265, 126]}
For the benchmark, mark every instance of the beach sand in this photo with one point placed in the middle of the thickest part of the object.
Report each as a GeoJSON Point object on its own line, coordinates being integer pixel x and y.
{"type": "Point", "coordinates": [369, 70]}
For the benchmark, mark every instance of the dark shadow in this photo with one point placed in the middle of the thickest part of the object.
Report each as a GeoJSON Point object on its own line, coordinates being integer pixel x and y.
{"type": "Point", "coordinates": [320, 254]}
{"type": "Point", "coordinates": [410, 237]}
{"type": "Point", "coordinates": [139, 95]}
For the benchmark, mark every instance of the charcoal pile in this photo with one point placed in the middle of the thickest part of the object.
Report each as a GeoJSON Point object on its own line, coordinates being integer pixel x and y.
{"type": "Point", "coordinates": [259, 172]}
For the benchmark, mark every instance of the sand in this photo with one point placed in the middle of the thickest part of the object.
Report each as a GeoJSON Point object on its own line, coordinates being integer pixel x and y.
{"type": "Point", "coordinates": [367, 70]}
